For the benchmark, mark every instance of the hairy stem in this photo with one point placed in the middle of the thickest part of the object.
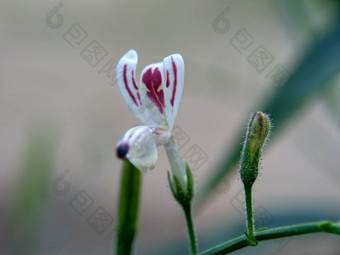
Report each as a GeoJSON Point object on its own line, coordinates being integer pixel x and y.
{"type": "Point", "coordinates": [249, 215]}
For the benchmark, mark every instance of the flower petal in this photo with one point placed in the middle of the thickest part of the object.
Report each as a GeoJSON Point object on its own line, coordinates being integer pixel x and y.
{"type": "Point", "coordinates": [125, 76]}
{"type": "Point", "coordinates": [142, 148]}
{"type": "Point", "coordinates": [174, 71]}
{"type": "Point", "coordinates": [152, 94]}
{"type": "Point", "coordinates": [161, 89]}
{"type": "Point", "coordinates": [139, 98]}
{"type": "Point", "coordinates": [177, 165]}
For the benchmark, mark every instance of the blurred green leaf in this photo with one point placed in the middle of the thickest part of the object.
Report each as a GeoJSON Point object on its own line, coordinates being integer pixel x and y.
{"type": "Point", "coordinates": [30, 198]}
{"type": "Point", "coordinates": [333, 100]}
{"type": "Point", "coordinates": [311, 76]}
{"type": "Point", "coordinates": [309, 19]}
{"type": "Point", "coordinates": [128, 208]}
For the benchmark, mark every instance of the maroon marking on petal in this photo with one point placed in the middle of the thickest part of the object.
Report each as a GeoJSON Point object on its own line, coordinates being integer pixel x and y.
{"type": "Point", "coordinates": [130, 136]}
{"type": "Point", "coordinates": [127, 86]}
{"type": "Point", "coordinates": [133, 80]}
{"type": "Point", "coordinates": [167, 79]}
{"type": "Point", "coordinates": [260, 118]}
{"type": "Point", "coordinates": [139, 137]}
{"type": "Point", "coordinates": [140, 101]}
{"type": "Point", "coordinates": [153, 81]}
{"type": "Point", "coordinates": [175, 81]}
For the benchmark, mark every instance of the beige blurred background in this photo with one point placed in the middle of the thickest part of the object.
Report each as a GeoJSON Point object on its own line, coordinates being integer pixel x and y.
{"type": "Point", "coordinates": [47, 83]}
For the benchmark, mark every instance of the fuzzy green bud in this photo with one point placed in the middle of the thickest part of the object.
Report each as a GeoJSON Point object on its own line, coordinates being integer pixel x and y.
{"type": "Point", "coordinates": [257, 133]}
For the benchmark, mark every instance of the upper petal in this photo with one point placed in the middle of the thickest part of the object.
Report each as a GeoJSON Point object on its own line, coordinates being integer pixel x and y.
{"type": "Point", "coordinates": [125, 76]}
{"type": "Point", "coordinates": [162, 87]}
{"type": "Point", "coordinates": [137, 97]}
{"type": "Point", "coordinates": [156, 98]}
{"type": "Point", "coordinates": [174, 71]}
{"type": "Point", "coordinates": [152, 94]}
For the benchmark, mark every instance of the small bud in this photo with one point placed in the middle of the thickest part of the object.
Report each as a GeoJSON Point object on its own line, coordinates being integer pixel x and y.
{"type": "Point", "coordinates": [257, 133]}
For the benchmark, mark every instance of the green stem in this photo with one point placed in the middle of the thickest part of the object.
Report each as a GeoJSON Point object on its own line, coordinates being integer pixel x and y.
{"type": "Point", "coordinates": [249, 211]}
{"type": "Point", "coordinates": [128, 208]}
{"type": "Point", "coordinates": [191, 230]}
{"type": "Point", "coordinates": [274, 233]}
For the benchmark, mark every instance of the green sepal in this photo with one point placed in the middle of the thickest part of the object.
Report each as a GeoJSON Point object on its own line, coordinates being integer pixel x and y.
{"type": "Point", "coordinates": [182, 196]}
{"type": "Point", "coordinates": [172, 188]}
{"type": "Point", "coordinates": [249, 166]}
{"type": "Point", "coordinates": [190, 188]}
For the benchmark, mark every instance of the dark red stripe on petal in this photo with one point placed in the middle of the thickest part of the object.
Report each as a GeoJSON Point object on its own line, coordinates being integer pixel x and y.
{"type": "Point", "coordinates": [140, 101]}
{"type": "Point", "coordinates": [153, 82]}
{"type": "Point", "coordinates": [130, 136]}
{"type": "Point", "coordinates": [133, 81]}
{"type": "Point", "coordinates": [167, 79]}
{"type": "Point", "coordinates": [127, 86]}
{"type": "Point", "coordinates": [172, 100]}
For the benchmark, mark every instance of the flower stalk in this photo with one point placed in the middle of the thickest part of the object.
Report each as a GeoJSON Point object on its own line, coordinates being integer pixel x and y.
{"type": "Point", "coordinates": [191, 229]}
{"type": "Point", "coordinates": [130, 192]}
{"type": "Point", "coordinates": [182, 188]}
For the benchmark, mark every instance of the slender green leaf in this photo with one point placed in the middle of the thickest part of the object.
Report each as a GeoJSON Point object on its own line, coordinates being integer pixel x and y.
{"type": "Point", "coordinates": [128, 208]}
{"type": "Point", "coordinates": [313, 74]}
{"type": "Point", "coordinates": [29, 200]}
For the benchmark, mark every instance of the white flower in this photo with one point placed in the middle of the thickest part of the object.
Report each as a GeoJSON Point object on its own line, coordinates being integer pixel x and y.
{"type": "Point", "coordinates": [154, 101]}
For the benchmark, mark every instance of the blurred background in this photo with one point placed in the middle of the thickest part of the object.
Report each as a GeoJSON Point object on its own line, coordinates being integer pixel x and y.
{"type": "Point", "coordinates": [62, 115]}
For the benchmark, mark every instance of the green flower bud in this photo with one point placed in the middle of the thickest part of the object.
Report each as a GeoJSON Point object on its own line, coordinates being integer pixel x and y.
{"type": "Point", "coordinates": [257, 133]}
